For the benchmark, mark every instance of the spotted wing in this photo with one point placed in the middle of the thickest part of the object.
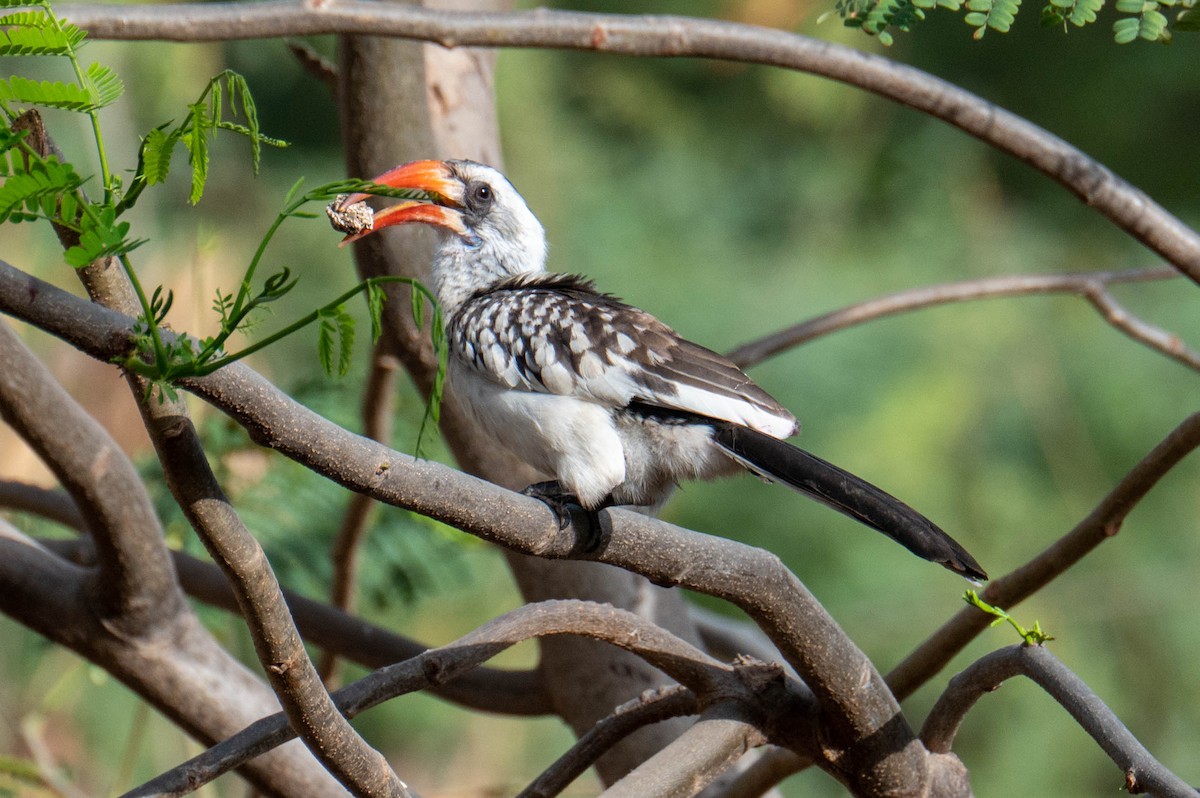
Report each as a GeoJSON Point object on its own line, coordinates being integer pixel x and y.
{"type": "Point", "coordinates": [557, 334]}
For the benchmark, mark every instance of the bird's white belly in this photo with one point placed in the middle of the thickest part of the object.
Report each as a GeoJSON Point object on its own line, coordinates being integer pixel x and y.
{"type": "Point", "coordinates": [571, 439]}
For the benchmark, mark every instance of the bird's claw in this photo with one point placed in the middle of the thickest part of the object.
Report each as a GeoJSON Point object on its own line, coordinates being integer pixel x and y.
{"type": "Point", "coordinates": [564, 505]}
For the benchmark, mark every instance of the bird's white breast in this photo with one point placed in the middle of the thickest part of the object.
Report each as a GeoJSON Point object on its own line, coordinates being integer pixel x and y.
{"type": "Point", "coordinates": [572, 440]}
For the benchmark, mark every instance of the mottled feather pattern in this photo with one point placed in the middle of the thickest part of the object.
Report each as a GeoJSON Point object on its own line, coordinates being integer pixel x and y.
{"type": "Point", "coordinates": [555, 333]}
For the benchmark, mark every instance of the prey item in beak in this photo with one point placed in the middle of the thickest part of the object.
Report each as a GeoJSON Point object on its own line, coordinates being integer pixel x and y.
{"type": "Point", "coordinates": [443, 195]}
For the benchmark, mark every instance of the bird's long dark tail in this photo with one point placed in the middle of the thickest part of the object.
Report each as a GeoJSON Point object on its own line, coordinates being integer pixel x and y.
{"type": "Point", "coordinates": [779, 461]}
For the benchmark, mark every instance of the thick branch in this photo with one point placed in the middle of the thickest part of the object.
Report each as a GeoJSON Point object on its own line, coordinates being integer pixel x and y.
{"type": "Point", "coordinates": [1118, 201]}
{"type": "Point", "coordinates": [1092, 287]}
{"type": "Point", "coordinates": [1143, 773]}
{"type": "Point", "coordinates": [179, 670]}
{"type": "Point", "coordinates": [686, 766]}
{"type": "Point", "coordinates": [330, 738]}
{"type": "Point", "coordinates": [53, 505]}
{"type": "Point", "coordinates": [136, 587]}
{"type": "Point", "coordinates": [1101, 524]}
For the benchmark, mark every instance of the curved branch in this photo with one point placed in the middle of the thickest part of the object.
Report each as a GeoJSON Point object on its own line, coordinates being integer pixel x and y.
{"type": "Point", "coordinates": [1092, 287]}
{"type": "Point", "coordinates": [652, 706]}
{"type": "Point", "coordinates": [504, 692]}
{"type": "Point", "coordinates": [689, 764]}
{"type": "Point", "coordinates": [53, 505]}
{"type": "Point", "coordinates": [136, 588]}
{"type": "Point", "coordinates": [1143, 773]}
{"type": "Point", "coordinates": [1122, 204]}
{"type": "Point", "coordinates": [1101, 524]}
{"type": "Point", "coordinates": [775, 765]}
{"type": "Point", "coordinates": [677, 658]}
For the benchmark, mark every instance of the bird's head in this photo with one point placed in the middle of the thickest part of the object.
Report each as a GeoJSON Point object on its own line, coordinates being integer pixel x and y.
{"type": "Point", "coordinates": [490, 231]}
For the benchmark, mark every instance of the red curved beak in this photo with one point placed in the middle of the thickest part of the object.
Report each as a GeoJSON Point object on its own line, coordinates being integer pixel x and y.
{"type": "Point", "coordinates": [434, 179]}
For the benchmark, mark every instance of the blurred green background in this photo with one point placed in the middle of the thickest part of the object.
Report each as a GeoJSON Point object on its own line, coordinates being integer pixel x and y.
{"type": "Point", "coordinates": [731, 201]}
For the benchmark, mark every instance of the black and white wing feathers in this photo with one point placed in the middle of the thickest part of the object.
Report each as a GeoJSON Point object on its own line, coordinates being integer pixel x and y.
{"type": "Point", "coordinates": [554, 333]}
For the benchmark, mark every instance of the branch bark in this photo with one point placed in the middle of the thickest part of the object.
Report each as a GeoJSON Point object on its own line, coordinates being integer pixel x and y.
{"type": "Point", "coordinates": [1143, 773]}
{"type": "Point", "coordinates": [661, 36]}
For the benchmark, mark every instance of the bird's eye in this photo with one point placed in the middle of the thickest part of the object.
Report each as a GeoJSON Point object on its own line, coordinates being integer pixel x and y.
{"type": "Point", "coordinates": [482, 194]}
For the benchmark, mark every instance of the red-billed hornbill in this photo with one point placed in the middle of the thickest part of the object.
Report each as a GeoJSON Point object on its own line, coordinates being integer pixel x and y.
{"type": "Point", "coordinates": [603, 397]}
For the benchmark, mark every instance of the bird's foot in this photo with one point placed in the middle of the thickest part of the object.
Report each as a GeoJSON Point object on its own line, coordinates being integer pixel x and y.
{"type": "Point", "coordinates": [567, 509]}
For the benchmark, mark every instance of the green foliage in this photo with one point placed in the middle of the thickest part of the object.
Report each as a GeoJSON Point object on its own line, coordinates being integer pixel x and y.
{"type": "Point", "coordinates": [36, 33]}
{"type": "Point", "coordinates": [204, 118]}
{"type": "Point", "coordinates": [40, 187]}
{"type": "Point", "coordinates": [101, 236]}
{"type": "Point", "coordinates": [995, 14]}
{"type": "Point", "coordinates": [336, 330]}
{"type": "Point", "coordinates": [1032, 637]}
{"type": "Point", "coordinates": [1149, 23]}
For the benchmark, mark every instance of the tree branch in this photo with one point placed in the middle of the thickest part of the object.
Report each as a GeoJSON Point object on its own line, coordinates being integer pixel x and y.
{"type": "Point", "coordinates": [377, 411]}
{"type": "Point", "coordinates": [136, 589]}
{"type": "Point", "coordinates": [1143, 773]}
{"type": "Point", "coordinates": [662, 36]}
{"type": "Point", "coordinates": [1101, 524]}
{"type": "Point", "coordinates": [1092, 287]}
{"type": "Point", "coordinates": [53, 505]}
{"type": "Point", "coordinates": [685, 767]}
{"type": "Point", "coordinates": [652, 706]}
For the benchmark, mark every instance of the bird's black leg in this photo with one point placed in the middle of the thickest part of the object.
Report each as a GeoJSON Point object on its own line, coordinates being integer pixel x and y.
{"type": "Point", "coordinates": [565, 505]}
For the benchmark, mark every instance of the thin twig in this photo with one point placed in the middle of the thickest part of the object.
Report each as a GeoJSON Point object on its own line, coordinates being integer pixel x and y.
{"type": "Point", "coordinates": [652, 706]}
{"type": "Point", "coordinates": [315, 64]}
{"type": "Point", "coordinates": [663, 36]}
{"type": "Point", "coordinates": [378, 404]}
{"type": "Point", "coordinates": [1092, 287]}
{"type": "Point", "coordinates": [1143, 773]}
{"type": "Point", "coordinates": [1101, 524]}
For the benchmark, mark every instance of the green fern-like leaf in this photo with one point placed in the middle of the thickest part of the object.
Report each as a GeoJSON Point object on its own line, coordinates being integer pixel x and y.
{"type": "Point", "coordinates": [24, 189]}
{"type": "Point", "coordinates": [35, 33]}
{"type": "Point", "coordinates": [376, 297]}
{"type": "Point", "coordinates": [101, 235]}
{"type": "Point", "coordinates": [19, 3]}
{"type": "Point", "coordinates": [1074, 12]}
{"type": "Point", "coordinates": [196, 138]}
{"type": "Point", "coordinates": [336, 329]}
{"type": "Point", "coordinates": [157, 149]}
{"type": "Point", "coordinates": [1149, 25]}
{"type": "Point", "coordinates": [103, 85]}
{"type": "Point", "coordinates": [995, 14]}
{"type": "Point", "coordinates": [49, 93]}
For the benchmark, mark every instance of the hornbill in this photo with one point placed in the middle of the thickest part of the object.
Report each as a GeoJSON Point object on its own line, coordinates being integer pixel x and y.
{"type": "Point", "coordinates": [603, 397]}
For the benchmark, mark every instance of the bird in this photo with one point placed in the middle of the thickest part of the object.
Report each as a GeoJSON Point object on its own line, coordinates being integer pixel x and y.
{"type": "Point", "coordinates": [611, 403]}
